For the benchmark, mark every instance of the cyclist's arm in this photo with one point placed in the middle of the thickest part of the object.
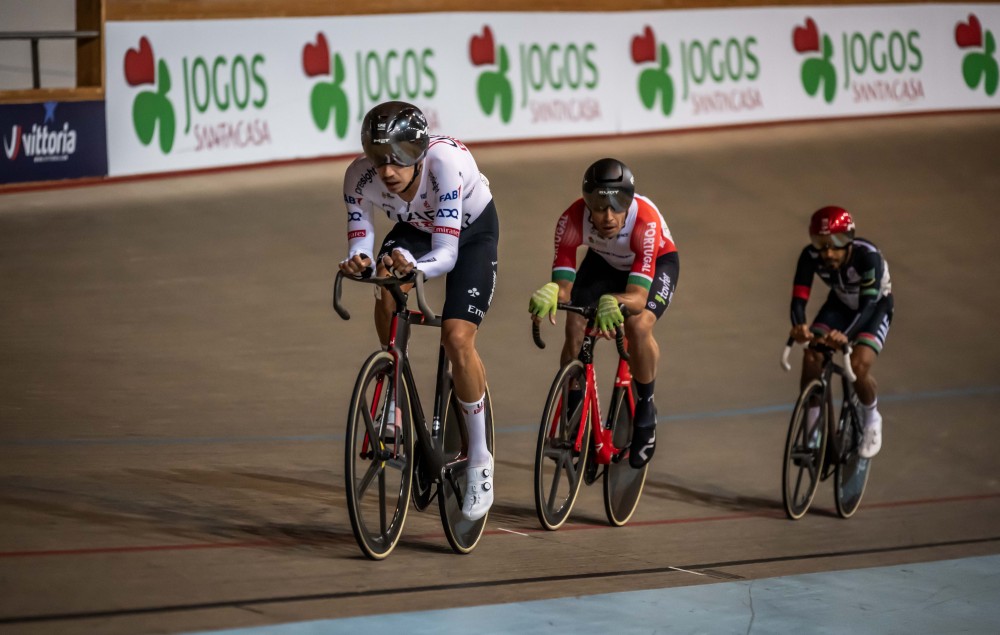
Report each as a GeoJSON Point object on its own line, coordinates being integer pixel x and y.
{"type": "Point", "coordinates": [447, 226]}
{"type": "Point", "coordinates": [871, 266]}
{"type": "Point", "coordinates": [568, 237]}
{"type": "Point", "coordinates": [360, 224]}
{"type": "Point", "coordinates": [801, 287]}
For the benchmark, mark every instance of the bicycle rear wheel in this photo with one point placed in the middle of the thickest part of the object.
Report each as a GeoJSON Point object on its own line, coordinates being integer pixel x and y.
{"type": "Point", "coordinates": [622, 483]}
{"type": "Point", "coordinates": [852, 471]}
{"type": "Point", "coordinates": [559, 466]}
{"type": "Point", "coordinates": [805, 451]}
{"type": "Point", "coordinates": [378, 467]}
{"type": "Point", "coordinates": [463, 535]}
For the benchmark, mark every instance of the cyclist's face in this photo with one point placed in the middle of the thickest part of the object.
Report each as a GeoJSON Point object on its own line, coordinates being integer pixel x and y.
{"type": "Point", "coordinates": [607, 221]}
{"type": "Point", "coordinates": [833, 257]}
{"type": "Point", "coordinates": [396, 177]}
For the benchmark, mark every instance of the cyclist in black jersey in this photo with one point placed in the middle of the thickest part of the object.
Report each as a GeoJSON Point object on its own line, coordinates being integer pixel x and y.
{"type": "Point", "coordinates": [858, 309]}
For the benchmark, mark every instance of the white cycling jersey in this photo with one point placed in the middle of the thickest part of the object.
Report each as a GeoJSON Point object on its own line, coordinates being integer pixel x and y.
{"type": "Point", "coordinates": [451, 195]}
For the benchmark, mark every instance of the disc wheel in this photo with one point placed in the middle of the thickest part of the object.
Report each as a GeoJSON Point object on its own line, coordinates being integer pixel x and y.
{"type": "Point", "coordinates": [463, 535]}
{"type": "Point", "coordinates": [851, 476]}
{"type": "Point", "coordinates": [804, 452]}
{"type": "Point", "coordinates": [622, 483]}
{"type": "Point", "coordinates": [559, 465]}
{"type": "Point", "coordinates": [378, 467]}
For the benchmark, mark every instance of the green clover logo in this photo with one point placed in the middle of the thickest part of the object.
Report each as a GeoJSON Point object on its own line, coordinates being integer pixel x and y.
{"type": "Point", "coordinates": [980, 65]}
{"type": "Point", "coordinates": [816, 71]}
{"type": "Point", "coordinates": [328, 100]}
{"type": "Point", "coordinates": [493, 88]}
{"type": "Point", "coordinates": [653, 82]}
{"type": "Point", "coordinates": [150, 107]}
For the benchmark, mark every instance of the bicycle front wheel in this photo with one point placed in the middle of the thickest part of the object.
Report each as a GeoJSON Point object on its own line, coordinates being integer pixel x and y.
{"type": "Point", "coordinates": [559, 465]}
{"type": "Point", "coordinates": [622, 483]}
{"type": "Point", "coordinates": [463, 535]}
{"type": "Point", "coordinates": [805, 451]}
{"type": "Point", "coordinates": [378, 463]}
{"type": "Point", "coordinates": [852, 471]}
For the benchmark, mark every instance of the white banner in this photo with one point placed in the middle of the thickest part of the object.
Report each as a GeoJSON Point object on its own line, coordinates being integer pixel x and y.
{"type": "Point", "coordinates": [196, 94]}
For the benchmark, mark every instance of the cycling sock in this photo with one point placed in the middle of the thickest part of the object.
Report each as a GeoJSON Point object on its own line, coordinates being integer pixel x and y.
{"type": "Point", "coordinates": [475, 422]}
{"type": "Point", "coordinates": [645, 410]}
{"type": "Point", "coordinates": [870, 410]}
{"type": "Point", "coordinates": [812, 416]}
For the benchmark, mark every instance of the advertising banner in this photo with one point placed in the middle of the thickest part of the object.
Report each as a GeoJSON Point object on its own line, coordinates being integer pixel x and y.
{"type": "Point", "coordinates": [52, 140]}
{"type": "Point", "coordinates": [183, 95]}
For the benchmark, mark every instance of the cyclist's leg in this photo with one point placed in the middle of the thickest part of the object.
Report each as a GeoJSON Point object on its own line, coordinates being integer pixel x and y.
{"type": "Point", "coordinates": [468, 293]}
{"type": "Point", "coordinates": [594, 278]}
{"type": "Point", "coordinates": [867, 345]}
{"type": "Point", "coordinates": [833, 315]}
{"type": "Point", "coordinates": [644, 354]}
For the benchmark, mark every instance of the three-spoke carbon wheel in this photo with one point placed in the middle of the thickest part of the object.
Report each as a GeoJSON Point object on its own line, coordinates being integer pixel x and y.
{"type": "Point", "coordinates": [559, 464]}
{"type": "Point", "coordinates": [378, 463]}
{"type": "Point", "coordinates": [463, 535]}
{"type": "Point", "coordinates": [805, 451]}
{"type": "Point", "coordinates": [851, 474]}
{"type": "Point", "coordinates": [622, 483]}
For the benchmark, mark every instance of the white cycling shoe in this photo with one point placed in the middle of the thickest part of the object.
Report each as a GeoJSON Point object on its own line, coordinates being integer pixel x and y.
{"type": "Point", "coordinates": [871, 442]}
{"type": "Point", "coordinates": [478, 491]}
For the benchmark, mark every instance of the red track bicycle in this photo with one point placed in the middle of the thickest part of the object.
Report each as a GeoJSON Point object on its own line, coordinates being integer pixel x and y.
{"type": "Point", "coordinates": [575, 446]}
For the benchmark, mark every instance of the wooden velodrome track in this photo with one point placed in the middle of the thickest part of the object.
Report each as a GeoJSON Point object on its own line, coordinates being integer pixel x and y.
{"type": "Point", "coordinates": [174, 384]}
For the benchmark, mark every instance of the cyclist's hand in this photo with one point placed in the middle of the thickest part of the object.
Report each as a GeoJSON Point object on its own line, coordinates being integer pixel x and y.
{"type": "Point", "coordinates": [800, 333]}
{"type": "Point", "coordinates": [544, 302]}
{"type": "Point", "coordinates": [400, 264]}
{"type": "Point", "coordinates": [836, 340]}
{"type": "Point", "coordinates": [609, 315]}
{"type": "Point", "coordinates": [357, 266]}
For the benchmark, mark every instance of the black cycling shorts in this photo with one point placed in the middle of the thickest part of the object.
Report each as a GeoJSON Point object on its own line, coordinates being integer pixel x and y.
{"type": "Point", "coordinates": [469, 286]}
{"type": "Point", "coordinates": [835, 315]}
{"type": "Point", "coordinates": [595, 277]}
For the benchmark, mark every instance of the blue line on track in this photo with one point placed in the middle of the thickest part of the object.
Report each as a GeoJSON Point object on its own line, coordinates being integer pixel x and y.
{"type": "Point", "coordinates": [692, 416]}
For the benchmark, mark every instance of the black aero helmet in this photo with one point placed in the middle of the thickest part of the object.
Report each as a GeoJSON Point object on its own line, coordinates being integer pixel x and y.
{"type": "Point", "coordinates": [608, 183]}
{"type": "Point", "coordinates": [394, 132]}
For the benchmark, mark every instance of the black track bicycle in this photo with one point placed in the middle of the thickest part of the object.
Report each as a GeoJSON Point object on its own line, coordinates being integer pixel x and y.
{"type": "Point", "coordinates": [830, 447]}
{"type": "Point", "coordinates": [575, 446]}
{"type": "Point", "coordinates": [397, 454]}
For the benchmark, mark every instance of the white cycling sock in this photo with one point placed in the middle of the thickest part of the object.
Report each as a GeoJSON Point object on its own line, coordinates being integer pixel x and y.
{"type": "Point", "coordinates": [812, 416]}
{"type": "Point", "coordinates": [870, 410]}
{"type": "Point", "coordinates": [475, 423]}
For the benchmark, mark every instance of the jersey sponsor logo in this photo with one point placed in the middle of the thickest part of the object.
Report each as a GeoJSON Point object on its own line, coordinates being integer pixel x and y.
{"type": "Point", "coordinates": [648, 246]}
{"type": "Point", "coordinates": [451, 231]}
{"type": "Point", "coordinates": [561, 228]}
{"type": "Point", "coordinates": [350, 200]}
{"type": "Point", "coordinates": [358, 233]}
{"type": "Point", "coordinates": [450, 196]}
{"type": "Point", "coordinates": [366, 178]}
{"type": "Point", "coordinates": [447, 213]}
{"type": "Point", "coordinates": [473, 309]}
{"type": "Point", "coordinates": [353, 216]}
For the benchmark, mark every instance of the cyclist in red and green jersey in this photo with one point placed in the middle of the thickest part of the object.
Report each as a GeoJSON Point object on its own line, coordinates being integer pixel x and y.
{"type": "Point", "coordinates": [631, 262]}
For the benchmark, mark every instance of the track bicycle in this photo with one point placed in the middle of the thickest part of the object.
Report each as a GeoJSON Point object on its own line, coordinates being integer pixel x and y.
{"type": "Point", "coordinates": [831, 446]}
{"type": "Point", "coordinates": [397, 454]}
{"type": "Point", "coordinates": [575, 446]}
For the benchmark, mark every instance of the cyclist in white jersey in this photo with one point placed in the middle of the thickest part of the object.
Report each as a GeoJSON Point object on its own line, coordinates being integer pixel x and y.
{"type": "Point", "coordinates": [446, 223]}
{"type": "Point", "coordinates": [631, 262]}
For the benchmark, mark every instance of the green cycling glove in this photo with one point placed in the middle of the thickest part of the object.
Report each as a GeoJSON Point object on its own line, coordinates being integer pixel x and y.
{"type": "Point", "coordinates": [609, 315]}
{"type": "Point", "coordinates": [544, 301]}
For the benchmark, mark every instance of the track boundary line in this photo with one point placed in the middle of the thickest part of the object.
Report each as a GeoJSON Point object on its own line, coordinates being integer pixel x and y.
{"type": "Point", "coordinates": [176, 608]}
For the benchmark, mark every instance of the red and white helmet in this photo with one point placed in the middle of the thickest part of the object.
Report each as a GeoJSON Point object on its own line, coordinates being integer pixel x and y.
{"type": "Point", "coordinates": [831, 224]}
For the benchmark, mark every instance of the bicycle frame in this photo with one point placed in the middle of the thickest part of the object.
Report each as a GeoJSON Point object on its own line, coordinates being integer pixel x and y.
{"type": "Point", "coordinates": [603, 443]}
{"type": "Point", "coordinates": [428, 441]}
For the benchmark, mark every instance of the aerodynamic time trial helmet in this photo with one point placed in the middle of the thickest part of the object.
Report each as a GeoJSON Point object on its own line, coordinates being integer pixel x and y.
{"type": "Point", "coordinates": [608, 183]}
{"type": "Point", "coordinates": [831, 224]}
{"type": "Point", "coordinates": [394, 132]}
